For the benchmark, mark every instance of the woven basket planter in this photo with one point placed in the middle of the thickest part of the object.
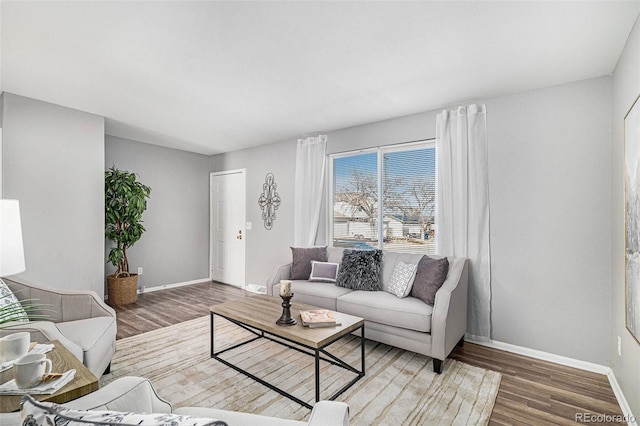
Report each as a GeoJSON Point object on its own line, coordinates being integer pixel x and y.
{"type": "Point", "coordinates": [122, 291]}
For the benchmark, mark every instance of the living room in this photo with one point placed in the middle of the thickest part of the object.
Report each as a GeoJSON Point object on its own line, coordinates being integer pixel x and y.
{"type": "Point", "coordinates": [556, 155]}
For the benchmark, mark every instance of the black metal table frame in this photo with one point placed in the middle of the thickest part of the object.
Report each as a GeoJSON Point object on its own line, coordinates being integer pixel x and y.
{"type": "Point", "coordinates": [315, 352]}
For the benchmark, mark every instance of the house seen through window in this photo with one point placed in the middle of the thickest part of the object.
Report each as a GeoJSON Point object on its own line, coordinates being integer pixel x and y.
{"type": "Point", "coordinates": [385, 198]}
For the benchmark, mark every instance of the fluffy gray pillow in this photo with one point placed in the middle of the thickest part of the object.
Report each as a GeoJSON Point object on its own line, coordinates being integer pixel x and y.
{"type": "Point", "coordinates": [360, 270]}
{"type": "Point", "coordinates": [302, 257]}
{"type": "Point", "coordinates": [429, 278]}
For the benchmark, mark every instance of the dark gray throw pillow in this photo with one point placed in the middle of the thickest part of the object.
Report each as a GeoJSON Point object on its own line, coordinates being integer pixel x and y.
{"type": "Point", "coordinates": [430, 276]}
{"type": "Point", "coordinates": [302, 257]}
{"type": "Point", "coordinates": [360, 270]}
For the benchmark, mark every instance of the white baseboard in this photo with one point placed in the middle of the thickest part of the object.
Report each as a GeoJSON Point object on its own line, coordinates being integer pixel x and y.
{"type": "Point", "coordinates": [168, 286]}
{"type": "Point", "coordinates": [624, 404]}
{"type": "Point", "coordinates": [545, 356]}
{"type": "Point", "coordinates": [569, 362]}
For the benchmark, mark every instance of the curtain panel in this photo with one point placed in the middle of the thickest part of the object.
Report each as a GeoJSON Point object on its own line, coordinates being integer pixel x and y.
{"type": "Point", "coordinates": [463, 208]}
{"type": "Point", "coordinates": [310, 171]}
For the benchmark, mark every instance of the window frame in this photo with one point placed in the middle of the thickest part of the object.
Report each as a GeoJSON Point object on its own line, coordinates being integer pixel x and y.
{"type": "Point", "coordinates": [380, 151]}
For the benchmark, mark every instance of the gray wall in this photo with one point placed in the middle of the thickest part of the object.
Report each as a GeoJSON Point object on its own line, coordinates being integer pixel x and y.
{"type": "Point", "coordinates": [53, 161]}
{"type": "Point", "coordinates": [175, 248]}
{"type": "Point", "coordinates": [626, 88]}
{"type": "Point", "coordinates": [549, 192]}
{"type": "Point", "coordinates": [265, 249]}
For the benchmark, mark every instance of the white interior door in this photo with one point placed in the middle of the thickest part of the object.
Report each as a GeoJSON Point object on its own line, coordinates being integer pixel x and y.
{"type": "Point", "coordinates": [228, 227]}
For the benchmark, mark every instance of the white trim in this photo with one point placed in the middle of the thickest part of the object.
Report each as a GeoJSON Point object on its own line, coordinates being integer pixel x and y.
{"type": "Point", "coordinates": [168, 286]}
{"type": "Point", "coordinates": [544, 356]}
{"type": "Point", "coordinates": [569, 362]}
{"type": "Point", "coordinates": [624, 404]}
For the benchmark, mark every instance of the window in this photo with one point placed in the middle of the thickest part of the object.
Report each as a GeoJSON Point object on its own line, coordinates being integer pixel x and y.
{"type": "Point", "coordinates": [388, 192]}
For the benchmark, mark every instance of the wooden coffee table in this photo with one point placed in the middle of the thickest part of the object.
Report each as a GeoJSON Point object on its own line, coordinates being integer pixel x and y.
{"type": "Point", "coordinates": [83, 383]}
{"type": "Point", "coordinates": [258, 315]}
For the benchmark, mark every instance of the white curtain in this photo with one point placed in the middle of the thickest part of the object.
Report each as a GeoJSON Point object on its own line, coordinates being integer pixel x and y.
{"type": "Point", "coordinates": [310, 166]}
{"type": "Point", "coordinates": [463, 208]}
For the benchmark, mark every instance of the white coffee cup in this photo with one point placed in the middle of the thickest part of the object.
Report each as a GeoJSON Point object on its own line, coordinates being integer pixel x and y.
{"type": "Point", "coordinates": [13, 346]}
{"type": "Point", "coordinates": [29, 369]}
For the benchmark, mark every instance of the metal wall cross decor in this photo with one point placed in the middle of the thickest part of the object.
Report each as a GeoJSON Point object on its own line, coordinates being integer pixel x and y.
{"type": "Point", "coordinates": [269, 200]}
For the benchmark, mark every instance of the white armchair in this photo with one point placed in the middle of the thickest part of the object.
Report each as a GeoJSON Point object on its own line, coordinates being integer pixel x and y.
{"type": "Point", "coordinates": [79, 320]}
{"type": "Point", "coordinates": [136, 394]}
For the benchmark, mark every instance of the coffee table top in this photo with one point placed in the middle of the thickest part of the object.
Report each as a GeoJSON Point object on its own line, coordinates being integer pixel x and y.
{"type": "Point", "coordinates": [83, 383]}
{"type": "Point", "coordinates": [262, 311]}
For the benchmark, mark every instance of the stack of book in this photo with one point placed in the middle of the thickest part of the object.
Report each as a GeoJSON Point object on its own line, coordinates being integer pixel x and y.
{"type": "Point", "coordinates": [318, 318]}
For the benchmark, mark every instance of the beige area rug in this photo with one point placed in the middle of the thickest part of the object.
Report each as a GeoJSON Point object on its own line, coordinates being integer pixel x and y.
{"type": "Point", "coordinates": [399, 386]}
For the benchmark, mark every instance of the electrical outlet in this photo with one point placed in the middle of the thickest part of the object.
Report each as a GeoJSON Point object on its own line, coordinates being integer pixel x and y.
{"type": "Point", "coordinates": [619, 346]}
{"type": "Point", "coordinates": [140, 271]}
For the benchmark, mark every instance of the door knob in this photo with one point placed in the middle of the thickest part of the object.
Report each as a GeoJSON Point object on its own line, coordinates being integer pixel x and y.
{"type": "Point", "coordinates": [239, 236]}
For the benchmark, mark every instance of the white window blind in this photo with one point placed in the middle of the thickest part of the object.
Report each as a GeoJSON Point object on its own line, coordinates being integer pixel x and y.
{"type": "Point", "coordinates": [385, 198]}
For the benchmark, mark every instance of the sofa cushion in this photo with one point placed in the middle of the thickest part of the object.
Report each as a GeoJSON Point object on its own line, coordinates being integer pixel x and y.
{"type": "Point", "coordinates": [430, 276]}
{"type": "Point", "coordinates": [360, 270]}
{"type": "Point", "coordinates": [334, 254]}
{"type": "Point", "coordinates": [302, 257]}
{"type": "Point", "coordinates": [402, 279]}
{"type": "Point", "coordinates": [324, 271]}
{"type": "Point", "coordinates": [322, 295]}
{"type": "Point", "coordinates": [36, 413]}
{"type": "Point", "coordinates": [389, 261]}
{"type": "Point", "coordinates": [385, 308]}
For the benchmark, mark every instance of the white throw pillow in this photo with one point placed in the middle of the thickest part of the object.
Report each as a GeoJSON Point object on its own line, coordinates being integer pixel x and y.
{"type": "Point", "coordinates": [402, 279]}
{"type": "Point", "coordinates": [10, 305]}
{"type": "Point", "coordinates": [324, 271]}
{"type": "Point", "coordinates": [35, 413]}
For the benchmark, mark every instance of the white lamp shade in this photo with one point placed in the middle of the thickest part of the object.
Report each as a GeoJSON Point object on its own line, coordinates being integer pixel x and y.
{"type": "Point", "coordinates": [11, 248]}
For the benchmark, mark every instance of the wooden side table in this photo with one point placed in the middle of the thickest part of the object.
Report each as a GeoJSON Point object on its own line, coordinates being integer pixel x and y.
{"type": "Point", "coordinates": [83, 383]}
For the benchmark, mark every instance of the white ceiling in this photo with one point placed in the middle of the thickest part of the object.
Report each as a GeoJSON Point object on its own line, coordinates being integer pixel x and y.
{"type": "Point", "coordinates": [212, 77]}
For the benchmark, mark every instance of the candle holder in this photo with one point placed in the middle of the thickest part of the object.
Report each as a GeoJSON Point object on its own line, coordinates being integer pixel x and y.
{"type": "Point", "coordinates": [286, 318]}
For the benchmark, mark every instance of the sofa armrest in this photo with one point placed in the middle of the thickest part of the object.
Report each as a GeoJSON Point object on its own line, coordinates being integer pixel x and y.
{"type": "Point", "coordinates": [62, 305]}
{"type": "Point", "coordinates": [449, 318]}
{"type": "Point", "coordinates": [329, 413]}
{"type": "Point", "coordinates": [282, 272]}
{"type": "Point", "coordinates": [42, 331]}
{"type": "Point", "coordinates": [129, 393]}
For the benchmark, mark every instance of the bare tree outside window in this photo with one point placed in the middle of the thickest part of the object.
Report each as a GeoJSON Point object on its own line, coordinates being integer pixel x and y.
{"type": "Point", "coordinates": [408, 193]}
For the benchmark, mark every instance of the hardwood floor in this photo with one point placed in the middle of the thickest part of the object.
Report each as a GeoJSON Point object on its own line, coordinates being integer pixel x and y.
{"type": "Point", "coordinates": [532, 392]}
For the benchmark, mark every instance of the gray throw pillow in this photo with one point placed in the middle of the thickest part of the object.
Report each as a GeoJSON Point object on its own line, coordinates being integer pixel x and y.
{"type": "Point", "coordinates": [324, 271]}
{"type": "Point", "coordinates": [429, 278]}
{"type": "Point", "coordinates": [360, 270]}
{"type": "Point", "coordinates": [302, 257]}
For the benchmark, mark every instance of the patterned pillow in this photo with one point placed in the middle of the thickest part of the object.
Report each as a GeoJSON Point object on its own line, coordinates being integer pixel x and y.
{"type": "Point", "coordinates": [10, 307]}
{"type": "Point", "coordinates": [324, 271]}
{"type": "Point", "coordinates": [302, 257]}
{"type": "Point", "coordinates": [360, 270]}
{"type": "Point", "coordinates": [35, 413]}
{"type": "Point", "coordinates": [402, 279]}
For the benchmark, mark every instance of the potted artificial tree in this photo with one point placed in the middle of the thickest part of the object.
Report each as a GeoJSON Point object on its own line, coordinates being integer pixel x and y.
{"type": "Point", "coordinates": [125, 200]}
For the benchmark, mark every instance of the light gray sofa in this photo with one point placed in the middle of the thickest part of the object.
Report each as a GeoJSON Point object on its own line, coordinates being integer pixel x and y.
{"type": "Point", "coordinates": [135, 394]}
{"type": "Point", "coordinates": [407, 323]}
{"type": "Point", "coordinates": [80, 320]}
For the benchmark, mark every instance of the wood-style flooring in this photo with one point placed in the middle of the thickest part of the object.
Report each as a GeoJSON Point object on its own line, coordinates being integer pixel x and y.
{"type": "Point", "coordinates": [532, 392]}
